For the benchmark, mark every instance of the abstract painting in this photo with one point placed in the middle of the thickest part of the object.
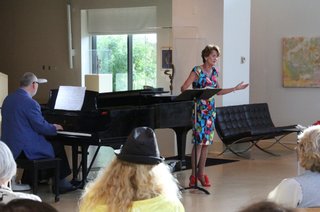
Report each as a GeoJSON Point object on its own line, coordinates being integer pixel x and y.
{"type": "Point", "coordinates": [301, 62]}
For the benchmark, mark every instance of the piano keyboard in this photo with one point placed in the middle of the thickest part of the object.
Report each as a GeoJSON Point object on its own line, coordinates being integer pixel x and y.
{"type": "Point", "coordinates": [74, 133]}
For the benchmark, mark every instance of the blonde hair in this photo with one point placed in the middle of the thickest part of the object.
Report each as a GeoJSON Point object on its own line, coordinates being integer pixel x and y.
{"type": "Point", "coordinates": [122, 182]}
{"type": "Point", "coordinates": [309, 149]}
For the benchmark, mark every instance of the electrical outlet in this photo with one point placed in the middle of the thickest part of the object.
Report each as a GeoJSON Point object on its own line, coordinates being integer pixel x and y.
{"type": "Point", "coordinates": [242, 60]}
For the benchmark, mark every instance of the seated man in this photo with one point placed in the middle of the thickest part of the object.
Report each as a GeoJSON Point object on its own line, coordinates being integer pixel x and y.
{"type": "Point", "coordinates": [23, 128]}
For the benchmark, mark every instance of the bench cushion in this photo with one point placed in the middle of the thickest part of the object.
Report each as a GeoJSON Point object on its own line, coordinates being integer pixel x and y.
{"type": "Point", "coordinates": [231, 123]}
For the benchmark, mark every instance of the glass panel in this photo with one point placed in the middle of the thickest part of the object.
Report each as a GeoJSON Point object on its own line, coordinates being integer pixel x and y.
{"type": "Point", "coordinates": [111, 56]}
{"type": "Point", "coordinates": [112, 59]}
{"type": "Point", "coordinates": [121, 82]}
{"type": "Point", "coordinates": [144, 57]}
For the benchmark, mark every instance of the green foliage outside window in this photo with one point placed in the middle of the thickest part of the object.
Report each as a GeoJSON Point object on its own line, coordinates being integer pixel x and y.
{"type": "Point", "coordinates": [112, 57]}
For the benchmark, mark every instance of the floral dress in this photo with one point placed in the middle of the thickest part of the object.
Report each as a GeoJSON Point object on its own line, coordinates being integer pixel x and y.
{"type": "Point", "coordinates": [203, 129]}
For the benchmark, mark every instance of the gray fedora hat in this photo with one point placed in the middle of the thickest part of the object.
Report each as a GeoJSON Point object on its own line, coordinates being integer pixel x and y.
{"type": "Point", "coordinates": [141, 147]}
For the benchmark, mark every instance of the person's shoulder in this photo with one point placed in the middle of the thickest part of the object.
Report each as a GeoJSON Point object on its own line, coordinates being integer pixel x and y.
{"type": "Point", "coordinates": [27, 196]}
{"type": "Point", "coordinates": [161, 203]}
{"type": "Point", "coordinates": [286, 186]}
{"type": "Point", "coordinates": [288, 183]}
{"type": "Point", "coordinates": [173, 205]}
{"type": "Point", "coordinates": [21, 94]}
{"type": "Point", "coordinates": [287, 193]}
{"type": "Point", "coordinates": [197, 69]}
{"type": "Point", "coordinates": [30, 102]}
{"type": "Point", "coordinates": [96, 208]}
{"type": "Point", "coordinates": [12, 95]}
{"type": "Point", "coordinates": [8, 195]}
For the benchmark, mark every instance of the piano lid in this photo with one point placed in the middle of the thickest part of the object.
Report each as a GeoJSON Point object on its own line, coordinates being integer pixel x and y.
{"type": "Point", "coordinates": [123, 98]}
{"type": "Point", "coordinates": [94, 100]}
{"type": "Point", "coordinates": [141, 92]}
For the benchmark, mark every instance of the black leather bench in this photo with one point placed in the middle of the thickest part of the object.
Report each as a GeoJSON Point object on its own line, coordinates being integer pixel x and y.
{"type": "Point", "coordinates": [249, 123]}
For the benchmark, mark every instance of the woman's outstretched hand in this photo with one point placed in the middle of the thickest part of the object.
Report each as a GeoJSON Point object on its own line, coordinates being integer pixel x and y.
{"type": "Point", "coordinates": [241, 86]}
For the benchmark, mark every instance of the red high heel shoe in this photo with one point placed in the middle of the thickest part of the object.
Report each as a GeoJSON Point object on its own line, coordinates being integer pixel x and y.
{"type": "Point", "coordinates": [204, 180]}
{"type": "Point", "coordinates": [192, 180]}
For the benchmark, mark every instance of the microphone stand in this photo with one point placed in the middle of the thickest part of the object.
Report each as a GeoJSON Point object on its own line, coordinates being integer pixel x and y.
{"type": "Point", "coordinates": [171, 76]}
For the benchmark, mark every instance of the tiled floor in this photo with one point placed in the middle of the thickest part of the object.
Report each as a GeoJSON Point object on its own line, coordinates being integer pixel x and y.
{"type": "Point", "coordinates": [234, 184]}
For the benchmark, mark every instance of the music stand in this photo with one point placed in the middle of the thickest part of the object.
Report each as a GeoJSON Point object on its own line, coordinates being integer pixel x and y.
{"type": "Point", "coordinates": [190, 95]}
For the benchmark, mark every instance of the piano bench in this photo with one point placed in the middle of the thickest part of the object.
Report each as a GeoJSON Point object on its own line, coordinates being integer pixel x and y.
{"type": "Point", "coordinates": [35, 165]}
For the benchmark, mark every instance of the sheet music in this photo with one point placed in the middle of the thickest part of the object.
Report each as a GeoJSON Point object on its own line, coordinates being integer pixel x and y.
{"type": "Point", "coordinates": [70, 98]}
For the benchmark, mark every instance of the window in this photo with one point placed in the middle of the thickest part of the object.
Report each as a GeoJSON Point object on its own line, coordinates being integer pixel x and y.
{"type": "Point", "coordinates": [131, 59]}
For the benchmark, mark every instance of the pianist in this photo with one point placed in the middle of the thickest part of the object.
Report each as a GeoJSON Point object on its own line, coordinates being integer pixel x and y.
{"type": "Point", "coordinates": [23, 129]}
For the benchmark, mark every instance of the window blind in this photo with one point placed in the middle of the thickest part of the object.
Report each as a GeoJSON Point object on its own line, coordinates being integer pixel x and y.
{"type": "Point", "coordinates": [131, 20]}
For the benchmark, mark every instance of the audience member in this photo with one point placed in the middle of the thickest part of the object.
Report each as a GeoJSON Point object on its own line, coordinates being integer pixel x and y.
{"type": "Point", "coordinates": [26, 205]}
{"type": "Point", "coordinates": [8, 169]}
{"type": "Point", "coordinates": [302, 191]}
{"type": "Point", "coordinates": [266, 206]}
{"type": "Point", "coordinates": [136, 180]}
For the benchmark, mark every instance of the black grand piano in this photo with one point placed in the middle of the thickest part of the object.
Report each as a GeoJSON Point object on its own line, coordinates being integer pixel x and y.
{"type": "Point", "coordinates": [106, 119]}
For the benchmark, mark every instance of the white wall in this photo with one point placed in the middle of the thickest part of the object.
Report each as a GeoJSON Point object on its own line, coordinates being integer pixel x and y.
{"type": "Point", "coordinates": [3, 91]}
{"type": "Point", "coordinates": [271, 21]}
{"type": "Point", "coordinates": [236, 42]}
{"type": "Point", "coordinates": [195, 24]}
{"type": "Point", "coordinates": [224, 23]}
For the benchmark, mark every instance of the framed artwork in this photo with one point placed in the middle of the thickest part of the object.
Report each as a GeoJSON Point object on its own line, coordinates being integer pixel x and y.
{"type": "Point", "coordinates": [301, 62]}
{"type": "Point", "coordinates": [166, 58]}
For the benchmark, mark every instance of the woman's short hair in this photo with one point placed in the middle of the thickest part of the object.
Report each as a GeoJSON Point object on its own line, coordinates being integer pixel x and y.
{"type": "Point", "coordinates": [309, 148]}
{"type": "Point", "coordinates": [8, 166]}
{"type": "Point", "coordinates": [207, 51]}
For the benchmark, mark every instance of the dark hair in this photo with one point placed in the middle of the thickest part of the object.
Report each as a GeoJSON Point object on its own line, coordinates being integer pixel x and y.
{"type": "Point", "coordinates": [266, 206]}
{"type": "Point", "coordinates": [207, 51]}
{"type": "Point", "coordinates": [26, 205]}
